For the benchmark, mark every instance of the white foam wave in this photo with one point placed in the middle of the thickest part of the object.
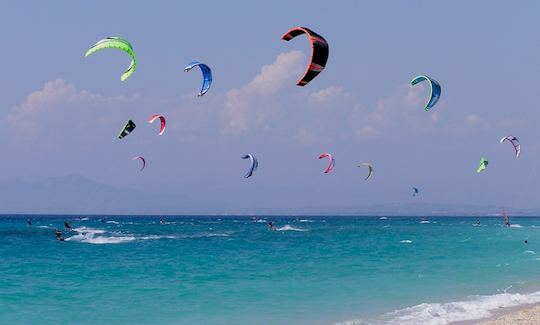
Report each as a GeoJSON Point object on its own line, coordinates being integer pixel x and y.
{"type": "Point", "coordinates": [45, 227]}
{"type": "Point", "coordinates": [96, 236]}
{"type": "Point", "coordinates": [214, 234]}
{"type": "Point", "coordinates": [529, 252]}
{"type": "Point", "coordinates": [157, 237]}
{"type": "Point", "coordinates": [113, 222]}
{"type": "Point", "coordinates": [92, 238]}
{"type": "Point", "coordinates": [425, 221]}
{"type": "Point", "coordinates": [84, 219]}
{"type": "Point", "coordinates": [383, 218]}
{"type": "Point", "coordinates": [516, 226]}
{"type": "Point", "coordinates": [89, 230]}
{"type": "Point", "coordinates": [290, 228]}
{"type": "Point", "coordinates": [306, 220]}
{"type": "Point", "coordinates": [406, 241]}
{"type": "Point", "coordinates": [477, 307]}
{"type": "Point", "coordinates": [260, 220]}
{"type": "Point", "coordinates": [206, 235]}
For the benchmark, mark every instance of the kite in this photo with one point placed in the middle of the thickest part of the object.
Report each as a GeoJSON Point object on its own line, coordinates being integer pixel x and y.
{"type": "Point", "coordinates": [483, 165]}
{"type": "Point", "coordinates": [434, 90]}
{"type": "Point", "coordinates": [370, 170]}
{"type": "Point", "coordinates": [161, 119]}
{"type": "Point", "coordinates": [331, 161]}
{"type": "Point", "coordinates": [207, 76]}
{"type": "Point", "coordinates": [127, 129]}
{"type": "Point", "coordinates": [514, 141]}
{"type": "Point", "coordinates": [116, 43]}
{"type": "Point", "coordinates": [253, 166]}
{"type": "Point", "coordinates": [415, 191]}
{"type": "Point", "coordinates": [319, 52]}
{"type": "Point", "coordinates": [142, 160]}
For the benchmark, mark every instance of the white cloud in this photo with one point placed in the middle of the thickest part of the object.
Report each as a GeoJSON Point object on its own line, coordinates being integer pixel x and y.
{"type": "Point", "coordinates": [402, 109]}
{"type": "Point", "coordinates": [329, 94]}
{"type": "Point", "coordinates": [473, 120]}
{"type": "Point", "coordinates": [51, 104]}
{"type": "Point", "coordinates": [247, 106]}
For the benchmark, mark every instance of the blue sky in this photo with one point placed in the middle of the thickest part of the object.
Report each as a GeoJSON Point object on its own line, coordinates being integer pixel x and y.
{"type": "Point", "coordinates": [60, 112]}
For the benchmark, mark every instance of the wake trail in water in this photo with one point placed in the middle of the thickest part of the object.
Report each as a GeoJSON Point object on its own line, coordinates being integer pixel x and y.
{"type": "Point", "coordinates": [290, 228]}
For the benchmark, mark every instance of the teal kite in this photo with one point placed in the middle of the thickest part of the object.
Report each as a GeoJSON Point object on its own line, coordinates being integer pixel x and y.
{"type": "Point", "coordinates": [434, 90]}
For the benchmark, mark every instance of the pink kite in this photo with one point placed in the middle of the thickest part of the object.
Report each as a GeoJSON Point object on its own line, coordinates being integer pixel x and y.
{"type": "Point", "coordinates": [162, 120]}
{"type": "Point", "coordinates": [331, 162]}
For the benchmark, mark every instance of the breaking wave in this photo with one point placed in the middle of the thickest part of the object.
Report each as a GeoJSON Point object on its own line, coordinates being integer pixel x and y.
{"type": "Point", "coordinates": [477, 307]}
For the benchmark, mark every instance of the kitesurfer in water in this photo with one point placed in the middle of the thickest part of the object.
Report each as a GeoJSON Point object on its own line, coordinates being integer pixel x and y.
{"type": "Point", "coordinates": [29, 222]}
{"type": "Point", "coordinates": [271, 226]}
{"type": "Point", "coordinates": [59, 235]}
{"type": "Point", "coordinates": [161, 221]}
{"type": "Point", "coordinates": [477, 222]}
{"type": "Point", "coordinates": [68, 226]}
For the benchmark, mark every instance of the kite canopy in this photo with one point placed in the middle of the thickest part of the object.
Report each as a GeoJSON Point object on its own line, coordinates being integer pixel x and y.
{"type": "Point", "coordinates": [370, 170]}
{"type": "Point", "coordinates": [161, 119]}
{"type": "Point", "coordinates": [127, 129]}
{"type": "Point", "coordinates": [141, 159]}
{"type": "Point", "coordinates": [319, 52]}
{"type": "Point", "coordinates": [331, 162]}
{"type": "Point", "coordinates": [116, 43]}
{"type": "Point", "coordinates": [415, 191]}
{"type": "Point", "coordinates": [434, 87]}
{"type": "Point", "coordinates": [253, 166]}
{"type": "Point", "coordinates": [207, 76]}
{"type": "Point", "coordinates": [514, 141]}
{"type": "Point", "coordinates": [483, 165]}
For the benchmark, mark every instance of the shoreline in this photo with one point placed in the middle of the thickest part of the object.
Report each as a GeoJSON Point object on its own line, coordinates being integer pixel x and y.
{"type": "Point", "coordinates": [528, 314]}
{"type": "Point", "coordinates": [518, 315]}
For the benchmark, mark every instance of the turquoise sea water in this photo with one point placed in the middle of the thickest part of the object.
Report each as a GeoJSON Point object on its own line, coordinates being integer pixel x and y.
{"type": "Point", "coordinates": [233, 270]}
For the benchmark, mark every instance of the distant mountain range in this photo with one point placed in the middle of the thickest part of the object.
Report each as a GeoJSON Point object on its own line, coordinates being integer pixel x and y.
{"type": "Point", "coordinates": [79, 195]}
{"type": "Point", "coordinates": [415, 209]}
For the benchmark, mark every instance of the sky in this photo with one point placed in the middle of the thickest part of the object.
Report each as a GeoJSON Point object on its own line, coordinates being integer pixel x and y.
{"type": "Point", "coordinates": [60, 112]}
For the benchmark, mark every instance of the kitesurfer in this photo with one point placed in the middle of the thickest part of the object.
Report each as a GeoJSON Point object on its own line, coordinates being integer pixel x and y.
{"type": "Point", "coordinates": [29, 222]}
{"type": "Point", "coordinates": [271, 226]}
{"type": "Point", "coordinates": [59, 235]}
{"type": "Point", "coordinates": [68, 226]}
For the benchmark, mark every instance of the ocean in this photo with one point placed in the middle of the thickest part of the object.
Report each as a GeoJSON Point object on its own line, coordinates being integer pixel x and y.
{"type": "Point", "coordinates": [234, 270]}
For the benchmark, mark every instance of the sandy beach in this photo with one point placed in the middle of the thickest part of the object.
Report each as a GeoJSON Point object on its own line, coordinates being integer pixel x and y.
{"type": "Point", "coordinates": [528, 316]}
